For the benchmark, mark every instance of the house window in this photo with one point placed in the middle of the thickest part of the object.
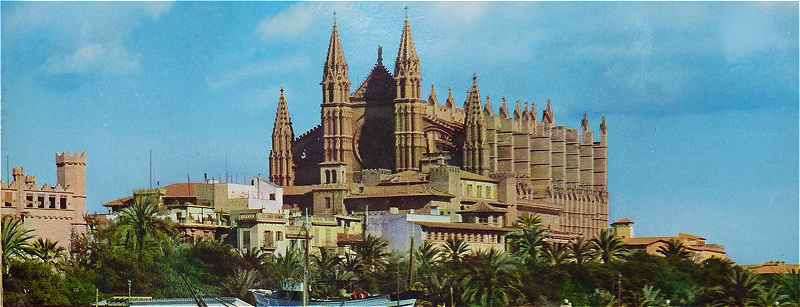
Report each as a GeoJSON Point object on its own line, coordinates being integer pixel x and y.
{"type": "Point", "coordinates": [279, 236]}
{"type": "Point", "coordinates": [271, 196]}
{"type": "Point", "coordinates": [40, 202]}
{"type": "Point", "coordinates": [63, 203]}
{"type": "Point", "coordinates": [469, 190]}
{"type": "Point", "coordinates": [327, 176]}
{"type": "Point", "coordinates": [7, 199]}
{"type": "Point", "coordinates": [327, 202]}
{"type": "Point", "coordinates": [333, 174]}
{"type": "Point", "coordinates": [52, 201]}
{"type": "Point", "coordinates": [29, 201]}
{"type": "Point", "coordinates": [246, 239]}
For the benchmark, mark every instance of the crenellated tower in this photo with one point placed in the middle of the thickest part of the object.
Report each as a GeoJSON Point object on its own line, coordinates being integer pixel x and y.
{"type": "Point", "coordinates": [281, 163]}
{"type": "Point", "coordinates": [408, 106]}
{"type": "Point", "coordinates": [476, 146]}
{"type": "Point", "coordinates": [337, 127]}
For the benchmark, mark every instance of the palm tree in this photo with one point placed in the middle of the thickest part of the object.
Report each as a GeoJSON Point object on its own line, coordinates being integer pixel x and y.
{"type": "Point", "coordinates": [689, 295]}
{"type": "Point", "coordinates": [251, 259]}
{"type": "Point", "coordinates": [770, 297]}
{"type": "Point", "coordinates": [327, 269]}
{"type": "Point", "coordinates": [674, 249]}
{"type": "Point", "coordinates": [740, 289]}
{"type": "Point", "coordinates": [455, 250]}
{"type": "Point", "coordinates": [140, 222]}
{"type": "Point", "coordinates": [528, 239]}
{"type": "Point", "coordinates": [238, 283]}
{"type": "Point", "coordinates": [580, 251]}
{"type": "Point", "coordinates": [556, 253]}
{"type": "Point", "coordinates": [602, 298]}
{"type": "Point", "coordinates": [490, 279]}
{"type": "Point", "coordinates": [790, 286]}
{"type": "Point", "coordinates": [47, 251]}
{"type": "Point", "coordinates": [650, 297]}
{"type": "Point", "coordinates": [371, 253]}
{"type": "Point", "coordinates": [15, 240]}
{"type": "Point", "coordinates": [286, 269]}
{"type": "Point", "coordinates": [608, 246]}
{"type": "Point", "coordinates": [427, 256]}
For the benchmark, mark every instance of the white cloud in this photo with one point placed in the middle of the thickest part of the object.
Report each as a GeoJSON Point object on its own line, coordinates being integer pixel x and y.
{"type": "Point", "coordinates": [258, 69]}
{"type": "Point", "coordinates": [290, 23]}
{"type": "Point", "coordinates": [85, 37]}
{"type": "Point", "coordinates": [111, 59]}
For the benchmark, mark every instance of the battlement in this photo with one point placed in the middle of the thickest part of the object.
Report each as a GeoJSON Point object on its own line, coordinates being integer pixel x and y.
{"type": "Point", "coordinates": [64, 158]}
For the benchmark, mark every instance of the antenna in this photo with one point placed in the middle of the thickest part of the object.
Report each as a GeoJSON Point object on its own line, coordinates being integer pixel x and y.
{"type": "Point", "coordinates": [226, 167]}
{"type": "Point", "coordinates": [150, 180]}
{"type": "Point", "coordinates": [8, 170]}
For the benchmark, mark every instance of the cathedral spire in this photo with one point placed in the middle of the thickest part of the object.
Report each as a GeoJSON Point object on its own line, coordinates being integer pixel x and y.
{"type": "Point", "coordinates": [335, 74]}
{"type": "Point", "coordinates": [548, 116]}
{"type": "Point", "coordinates": [451, 101]}
{"type": "Point", "coordinates": [585, 122]}
{"type": "Point", "coordinates": [503, 108]}
{"type": "Point", "coordinates": [517, 111]}
{"type": "Point", "coordinates": [488, 108]}
{"type": "Point", "coordinates": [474, 106]}
{"type": "Point", "coordinates": [432, 99]}
{"type": "Point", "coordinates": [407, 71]}
{"type": "Point", "coordinates": [281, 164]}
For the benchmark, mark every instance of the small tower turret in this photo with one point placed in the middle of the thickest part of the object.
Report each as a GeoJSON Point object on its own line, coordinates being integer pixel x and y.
{"type": "Point", "coordinates": [281, 163]}
{"type": "Point", "coordinates": [408, 107]}
{"type": "Point", "coordinates": [476, 149]}
{"type": "Point", "coordinates": [337, 127]}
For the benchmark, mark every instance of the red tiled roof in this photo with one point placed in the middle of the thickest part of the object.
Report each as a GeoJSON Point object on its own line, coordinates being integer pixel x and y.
{"type": "Point", "coordinates": [182, 189]}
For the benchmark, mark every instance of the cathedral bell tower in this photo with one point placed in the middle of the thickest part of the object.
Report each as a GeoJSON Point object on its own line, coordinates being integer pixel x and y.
{"type": "Point", "coordinates": [337, 115]}
{"type": "Point", "coordinates": [408, 106]}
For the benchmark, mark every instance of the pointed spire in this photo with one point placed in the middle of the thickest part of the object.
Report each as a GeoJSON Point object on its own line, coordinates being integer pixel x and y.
{"type": "Point", "coordinates": [527, 112]}
{"type": "Point", "coordinates": [532, 113]}
{"type": "Point", "coordinates": [407, 53]}
{"type": "Point", "coordinates": [488, 108]}
{"type": "Point", "coordinates": [585, 121]}
{"type": "Point", "coordinates": [474, 105]}
{"type": "Point", "coordinates": [603, 126]}
{"type": "Point", "coordinates": [432, 99]}
{"type": "Point", "coordinates": [335, 63]}
{"type": "Point", "coordinates": [380, 55]}
{"type": "Point", "coordinates": [451, 101]}
{"type": "Point", "coordinates": [548, 116]}
{"type": "Point", "coordinates": [517, 110]}
{"type": "Point", "coordinates": [282, 117]}
{"type": "Point", "coordinates": [503, 107]}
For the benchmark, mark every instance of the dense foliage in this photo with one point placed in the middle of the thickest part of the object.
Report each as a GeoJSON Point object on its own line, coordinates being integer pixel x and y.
{"type": "Point", "coordinates": [147, 253]}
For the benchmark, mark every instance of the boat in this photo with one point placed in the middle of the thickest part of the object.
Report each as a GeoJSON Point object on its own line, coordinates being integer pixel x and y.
{"type": "Point", "coordinates": [267, 298]}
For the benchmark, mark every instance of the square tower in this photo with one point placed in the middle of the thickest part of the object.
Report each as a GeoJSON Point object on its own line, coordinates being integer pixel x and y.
{"type": "Point", "coordinates": [71, 172]}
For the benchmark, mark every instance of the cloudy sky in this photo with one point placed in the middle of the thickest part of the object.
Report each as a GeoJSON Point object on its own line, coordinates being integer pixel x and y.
{"type": "Point", "coordinates": [701, 98]}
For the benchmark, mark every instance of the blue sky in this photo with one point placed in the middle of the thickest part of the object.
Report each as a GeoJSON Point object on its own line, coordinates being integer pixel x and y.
{"type": "Point", "coordinates": [701, 98]}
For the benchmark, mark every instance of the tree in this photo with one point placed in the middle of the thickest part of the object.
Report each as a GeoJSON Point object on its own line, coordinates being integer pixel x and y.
{"type": "Point", "coordinates": [251, 259]}
{"type": "Point", "coordinates": [328, 271]}
{"type": "Point", "coordinates": [650, 296]}
{"type": "Point", "coordinates": [427, 257]}
{"type": "Point", "coordinates": [238, 283]}
{"type": "Point", "coordinates": [790, 286]}
{"type": "Point", "coordinates": [556, 253]}
{"type": "Point", "coordinates": [580, 251]}
{"type": "Point", "coordinates": [608, 246]}
{"type": "Point", "coordinates": [286, 269]}
{"type": "Point", "coordinates": [46, 250]}
{"type": "Point", "coordinates": [740, 289]}
{"type": "Point", "coordinates": [15, 240]}
{"type": "Point", "coordinates": [528, 239]}
{"type": "Point", "coordinates": [455, 250]}
{"type": "Point", "coordinates": [371, 253]}
{"type": "Point", "coordinates": [140, 222]}
{"type": "Point", "coordinates": [769, 297]}
{"type": "Point", "coordinates": [674, 249]}
{"type": "Point", "coordinates": [490, 279]}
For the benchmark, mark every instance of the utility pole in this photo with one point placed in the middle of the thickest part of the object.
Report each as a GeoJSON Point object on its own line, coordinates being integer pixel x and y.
{"type": "Point", "coordinates": [305, 266]}
{"type": "Point", "coordinates": [619, 289]}
{"type": "Point", "coordinates": [150, 180]}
